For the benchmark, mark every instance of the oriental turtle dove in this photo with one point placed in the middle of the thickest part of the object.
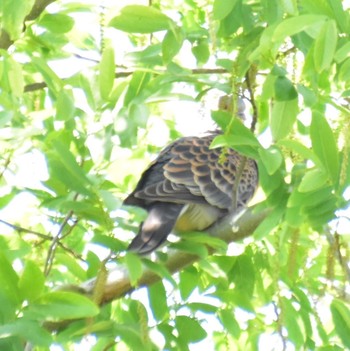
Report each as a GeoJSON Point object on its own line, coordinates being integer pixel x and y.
{"type": "Point", "coordinates": [190, 186]}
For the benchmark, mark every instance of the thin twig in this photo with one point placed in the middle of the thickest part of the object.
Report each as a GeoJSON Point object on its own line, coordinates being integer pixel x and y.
{"type": "Point", "coordinates": [25, 230]}
{"type": "Point", "coordinates": [7, 162]}
{"type": "Point", "coordinates": [252, 101]}
{"type": "Point", "coordinates": [41, 85]}
{"type": "Point", "coordinates": [45, 237]}
{"type": "Point", "coordinates": [55, 241]}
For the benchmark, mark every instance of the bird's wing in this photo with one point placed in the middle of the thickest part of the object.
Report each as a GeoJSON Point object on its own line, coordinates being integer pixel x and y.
{"type": "Point", "coordinates": [188, 171]}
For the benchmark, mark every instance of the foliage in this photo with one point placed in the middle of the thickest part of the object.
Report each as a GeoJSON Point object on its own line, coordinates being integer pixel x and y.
{"type": "Point", "coordinates": [83, 94]}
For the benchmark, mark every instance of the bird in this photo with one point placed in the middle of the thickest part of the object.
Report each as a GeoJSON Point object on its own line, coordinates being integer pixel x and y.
{"type": "Point", "coordinates": [190, 186]}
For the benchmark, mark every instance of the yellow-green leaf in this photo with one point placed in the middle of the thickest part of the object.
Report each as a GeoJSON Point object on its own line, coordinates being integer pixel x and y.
{"type": "Point", "coordinates": [141, 19]}
{"type": "Point", "coordinates": [324, 145]}
{"type": "Point", "coordinates": [325, 46]}
{"type": "Point", "coordinates": [283, 116]}
{"type": "Point", "coordinates": [107, 72]}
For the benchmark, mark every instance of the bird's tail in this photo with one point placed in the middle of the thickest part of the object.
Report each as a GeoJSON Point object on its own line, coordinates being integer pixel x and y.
{"type": "Point", "coordinates": [154, 230]}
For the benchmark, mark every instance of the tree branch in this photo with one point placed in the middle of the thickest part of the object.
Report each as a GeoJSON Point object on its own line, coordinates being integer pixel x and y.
{"type": "Point", "coordinates": [228, 229]}
{"type": "Point", "coordinates": [38, 7]}
{"type": "Point", "coordinates": [40, 85]}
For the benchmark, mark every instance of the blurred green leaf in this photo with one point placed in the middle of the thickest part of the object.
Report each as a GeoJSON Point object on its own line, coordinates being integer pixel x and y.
{"type": "Point", "coordinates": [14, 76]}
{"type": "Point", "coordinates": [171, 44]}
{"type": "Point", "coordinates": [229, 322]}
{"type": "Point", "coordinates": [344, 71]}
{"type": "Point", "coordinates": [292, 323]}
{"type": "Point", "coordinates": [201, 52]}
{"type": "Point", "coordinates": [313, 180]}
{"type": "Point", "coordinates": [62, 305]}
{"type": "Point", "coordinates": [9, 278]}
{"type": "Point", "coordinates": [324, 145]}
{"type": "Point", "coordinates": [107, 72]}
{"type": "Point", "coordinates": [342, 53]}
{"type": "Point", "coordinates": [161, 270]}
{"type": "Point", "coordinates": [301, 150]}
{"type": "Point", "coordinates": [284, 89]}
{"type": "Point", "coordinates": [71, 264]}
{"type": "Point", "coordinates": [50, 77]}
{"type": "Point", "coordinates": [137, 84]}
{"type": "Point", "coordinates": [294, 25]}
{"type": "Point", "coordinates": [134, 265]}
{"type": "Point", "coordinates": [29, 330]}
{"type": "Point", "coordinates": [272, 159]}
{"type": "Point", "coordinates": [221, 8]}
{"type": "Point", "coordinates": [65, 108]}
{"type": "Point", "coordinates": [158, 301]}
{"type": "Point", "coordinates": [32, 282]}
{"type": "Point", "coordinates": [188, 282]}
{"type": "Point", "coordinates": [189, 329]}
{"type": "Point", "coordinates": [325, 46]}
{"type": "Point", "coordinates": [283, 117]}
{"type": "Point", "coordinates": [341, 320]}
{"type": "Point", "coordinates": [141, 19]}
{"type": "Point", "coordinates": [57, 22]}
{"type": "Point", "coordinates": [13, 15]}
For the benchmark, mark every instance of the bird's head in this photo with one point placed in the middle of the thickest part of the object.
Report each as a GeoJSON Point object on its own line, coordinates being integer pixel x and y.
{"type": "Point", "coordinates": [229, 103]}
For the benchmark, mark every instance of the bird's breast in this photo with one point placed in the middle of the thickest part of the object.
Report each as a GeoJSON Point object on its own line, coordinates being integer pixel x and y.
{"type": "Point", "coordinates": [197, 217]}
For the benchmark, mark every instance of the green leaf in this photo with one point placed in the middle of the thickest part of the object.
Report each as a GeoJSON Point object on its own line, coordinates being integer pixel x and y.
{"type": "Point", "coordinates": [5, 117]}
{"type": "Point", "coordinates": [230, 323]}
{"type": "Point", "coordinates": [324, 145]}
{"type": "Point", "coordinates": [65, 168]}
{"type": "Point", "coordinates": [61, 305]}
{"type": "Point", "coordinates": [243, 275]}
{"type": "Point", "coordinates": [203, 238]}
{"type": "Point", "coordinates": [141, 19]}
{"type": "Point", "coordinates": [107, 72]}
{"type": "Point", "coordinates": [52, 80]}
{"type": "Point", "coordinates": [344, 72]}
{"type": "Point", "coordinates": [15, 76]}
{"type": "Point", "coordinates": [28, 330]}
{"type": "Point", "coordinates": [71, 264]}
{"type": "Point", "coordinates": [57, 22]}
{"type": "Point", "coordinates": [32, 282]}
{"type": "Point", "coordinates": [9, 279]}
{"type": "Point", "coordinates": [138, 83]}
{"type": "Point", "coordinates": [239, 134]}
{"type": "Point", "coordinates": [283, 117]}
{"type": "Point", "coordinates": [14, 13]}
{"type": "Point", "coordinates": [171, 44]}
{"type": "Point", "coordinates": [161, 270]}
{"type": "Point", "coordinates": [325, 46]}
{"type": "Point", "coordinates": [284, 89]}
{"type": "Point", "coordinates": [341, 320]}
{"type": "Point", "coordinates": [294, 25]}
{"type": "Point", "coordinates": [271, 158]}
{"type": "Point", "coordinates": [158, 301]}
{"type": "Point", "coordinates": [188, 282]}
{"type": "Point", "coordinates": [199, 250]}
{"type": "Point", "coordinates": [300, 149]}
{"type": "Point", "coordinates": [189, 329]}
{"type": "Point", "coordinates": [269, 223]}
{"type": "Point", "coordinates": [292, 322]}
{"type": "Point", "coordinates": [313, 180]}
{"type": "Point", "coordinates": [65, 108]}
{"type": "Point", "coordinates": [341, 16]}
{"type": "Point", "coordinates": [342, 53]}
{"type": "Point", "coordinates": [201, 52]}
{"type": "Point", "coordinates": [134, 265]}
{"type": "Point", "coordinates": [222, 8]}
